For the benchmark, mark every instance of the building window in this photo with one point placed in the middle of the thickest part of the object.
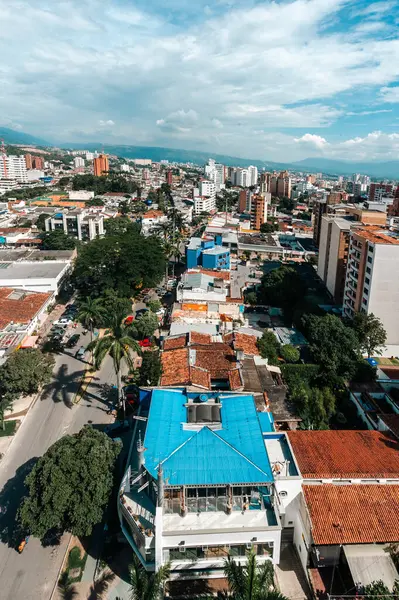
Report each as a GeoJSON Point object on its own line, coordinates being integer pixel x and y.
{"type": "Point", "coordinates": [366, 292]}
{"type": "Point", "coordinates": [364, 300]}
{"type": "Point", "coordinates": [369, 259]}
{"type": "Point", "coordinates": [367, 280]}
{"type": "Point", "coordinates": [371, 248]}
{"type": "Point", "coordinates": [368, 270]}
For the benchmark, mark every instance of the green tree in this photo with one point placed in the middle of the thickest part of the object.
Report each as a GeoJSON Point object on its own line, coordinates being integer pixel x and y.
{"type": "Point", "coordinates": [334, 346]}
{"type": "Point", "coordinates": [154, 305]}
{"type": "Point", "coordinates": [151, 369]}
{"type": "Point", "coordinates": [377, 589]}
{"type": "Point", "coordinates": [269, 347]}
{"type": "Point", "coordinates": [283, 287]}
{"type": "Point", "coordinates": [6, 402]}
{"type": "Point", "coordinates": [69, 486]}
{"type": "Point", "coordinates": [124, 263]}
{"type": "Point", "coordinates": [251, 581]}
{"type": "Point", "coordinates": [25, 372]}
{"type": "Point", "coordinates": [94, 202]}
{"type": "Point", "coordinates": [286, 205]}
{"type": "Point", "coordinates": [91, 313]}
{"type": "Point", "coordinates": [145, 326]}
{"type": "Point", "coordinates": [138, 207]}
{"type": "Point", "coordinates": [315, 405]}
{"type": "Point", "coordinates": [120, 226]}
{"type": "Point", "coordinates": [111, 303]}
{"type": "Point", "coordinates": [146, 585]}
{"type": "Point", "coordinates": [371, 333]}
{"type": "Point", "coordinates": [289, 353]}
{"type": "Point", "coordinates": [40, 221]}
{"type": "Point", "coordinates": [117, 343]}
{"type": "Point", "coordinates": [124, 207]}
{"type": "Point", "coordinates": [66, 589]}
{"type": "Point", "coordinates": [57, 240]}
{"type": "Point", "coordinates": [100, 586]}
{"type": "Point", "coordinates": [251, 298]}
{"type": "Point", "coordinates": [64, 181]}
{"type": "Point", "coordinates": [268, 227]}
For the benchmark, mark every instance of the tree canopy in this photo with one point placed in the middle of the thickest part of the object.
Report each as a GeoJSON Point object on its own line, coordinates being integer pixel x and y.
{"type": "Point", "coordinates": [105, 183]}
{"type": "Point", "coordinates": [269, 347]}
{"type": "Point", "coordinates": [283, 287]}
{"type": "Point", "coordinates": [145, 326]}
{"type": "Point", "coordinates": [25, 371]}
{"type": "Point", "coordinates": [69, 486]}
{"type": "Point", "coordinates": [57, 240]}
{"type": "Point", "coordinates": [40, 221]}
{"type": "Point", "coordinates": [125, 263]}
{"type": "Point", "coordinates": [370, 331]}
{"type": "Point", "coordinates": [333, 345]}
{"type": "Point", "coordinates": [315, 405]}
{"type": "Point", "coordinates": [120, 225]}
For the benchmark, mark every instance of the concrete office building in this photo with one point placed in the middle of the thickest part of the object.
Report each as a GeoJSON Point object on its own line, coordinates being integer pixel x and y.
{"type": "Point", "coordinates": [13, 167]}
{"type": "Point", "coordinates": [372, 277]}
{"type": "Point", "coordinates": [378, 190]}
{"type": "Point", "coordinates": [77, 223]}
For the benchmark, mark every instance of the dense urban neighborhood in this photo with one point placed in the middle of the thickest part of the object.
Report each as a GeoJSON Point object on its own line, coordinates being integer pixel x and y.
{"type": "Point", "coordinates": [199, 380]}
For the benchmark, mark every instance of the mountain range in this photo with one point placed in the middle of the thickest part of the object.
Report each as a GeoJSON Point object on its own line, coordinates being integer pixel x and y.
{"type": "Point", "coordinates": [377, 170]}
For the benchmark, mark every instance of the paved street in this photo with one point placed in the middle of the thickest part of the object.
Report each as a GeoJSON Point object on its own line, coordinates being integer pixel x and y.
{"type": "Point", "coordinates": [32, 575]}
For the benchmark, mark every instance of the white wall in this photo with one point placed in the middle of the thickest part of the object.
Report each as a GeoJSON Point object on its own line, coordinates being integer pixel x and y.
{"type": "Point", "coordinates": [384, 289]}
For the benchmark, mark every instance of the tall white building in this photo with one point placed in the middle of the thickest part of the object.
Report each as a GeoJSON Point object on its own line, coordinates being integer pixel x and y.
{"type": "Point", "coordinates": [78, 162]}
{"type": "Point", "coordinates": [372, 277]}
{"type": "Point", "coordinates": [215, 172]}
{"type": "Point", "coordinates": [252, 175]}
{"type": "Point", "coordinates": [242, 177]}
{"type": "Point", "coordinates": [13, 167]}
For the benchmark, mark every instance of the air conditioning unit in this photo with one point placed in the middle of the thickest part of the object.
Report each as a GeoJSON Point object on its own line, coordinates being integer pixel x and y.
{"type": "Point", "coordinates": [270, 544]}
{"type": "Point", "coordinates": [182, 549]}
{"type": "Point", "coordinates": [248, 545]}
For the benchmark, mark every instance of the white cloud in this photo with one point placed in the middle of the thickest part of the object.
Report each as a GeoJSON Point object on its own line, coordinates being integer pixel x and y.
{"type": "Point", "coordinates": [390, 94]}
{"type": "Point", "coordinates": [314, 140]}
{"type": "Point", "coordinates": [143, 66]}
{"type": "Point", "coordinates": [369, 112]}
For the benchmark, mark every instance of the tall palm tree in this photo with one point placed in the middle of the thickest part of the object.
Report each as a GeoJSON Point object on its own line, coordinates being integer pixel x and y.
{"type": "Point", "coordinates": [91, 311]}
{"type": "Point", "coordinates": [118, 343]}
{"type": "Point", "coordinates": [101, 585]}
{"type": "Point", "coordinates": [145, 585]}
{"type": "Point", "coordinates": [251, 581]}
{"type": "Point", "coordinates": [66, 590]}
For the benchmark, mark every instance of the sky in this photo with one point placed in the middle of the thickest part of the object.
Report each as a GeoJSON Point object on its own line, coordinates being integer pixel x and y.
{"type": "Point", "coordinates": [278, 81]}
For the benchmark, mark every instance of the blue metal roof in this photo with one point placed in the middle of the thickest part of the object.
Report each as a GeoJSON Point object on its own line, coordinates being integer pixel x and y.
{"type": "Point", "coordinates": [234, 454]}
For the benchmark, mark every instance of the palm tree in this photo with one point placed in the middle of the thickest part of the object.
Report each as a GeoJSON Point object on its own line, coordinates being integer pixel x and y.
{"type": "Point", "coordinates": [6, 403]}
{"type": "Point", "coordinates": [66, 590]}
{"type": "Point", "coordinates": [117, 342]}
{"type": "Point", "coordinates": [101, 585]}
{"type": "Point", "coordinates": [90, 312]}
{"type": "Point", "coordinates": [144, 585]}
{"type": "Point", "coordinates": [251, 581]}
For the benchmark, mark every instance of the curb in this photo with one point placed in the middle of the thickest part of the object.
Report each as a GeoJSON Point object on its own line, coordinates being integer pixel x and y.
{"type": "Point", "coordinates": [61, 567]}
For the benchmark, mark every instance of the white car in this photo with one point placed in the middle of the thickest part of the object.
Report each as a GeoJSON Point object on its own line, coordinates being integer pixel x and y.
{"type": "Point", "coordinates": [64, 321]}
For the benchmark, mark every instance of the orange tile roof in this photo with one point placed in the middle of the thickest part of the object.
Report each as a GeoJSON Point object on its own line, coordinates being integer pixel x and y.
{"type": "Point", "coordinates": [225, 275]}
{"type": "Point", "coordinates": [14, 230]}
{"type": "Point", "coordinates": [175, 342]}
{"type": "Point", "coordinates": [353, 514]}
{"type": "Point", "coordinates": [200, 338]}
{"type": "Point", "coordinates": [235, 379]}
{"type": "Point", "coordinates": [375, 234]}
{"type": "Point", "coordinates": [20, 310]}
{"type": "Point", "coordinates": [247, 343]}
{"type": "Point", "coordinates": [175, 369]}
{"type": "Point", "coordinates": [153, 214]}
{"type": "Point", "coordinates": [200, 377]}
{"type": "Point", "coordinates": [345, 454]}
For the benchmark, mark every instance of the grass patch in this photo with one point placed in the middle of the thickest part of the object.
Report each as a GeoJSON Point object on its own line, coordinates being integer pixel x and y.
{"type": "Point", "coordinates": [393, 362]}
{"type": "Point", "coordinates": [76, 561]}
{"type": "Point", "coordinates": [9, 428]}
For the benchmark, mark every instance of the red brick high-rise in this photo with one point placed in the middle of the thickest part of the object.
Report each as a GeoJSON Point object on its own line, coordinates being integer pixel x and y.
{"type": "Point", "coordinates": [37, 162]}
{"type": "Point", "coordinates": [28, 161]}
{"type": "Point", "coordinates": [169, 177]}
{"type": "Point", "coordinates": [101, 165]}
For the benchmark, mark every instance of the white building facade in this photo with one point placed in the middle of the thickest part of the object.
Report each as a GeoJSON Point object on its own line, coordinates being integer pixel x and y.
{"type": "Point", "coordinates": [13, 167]}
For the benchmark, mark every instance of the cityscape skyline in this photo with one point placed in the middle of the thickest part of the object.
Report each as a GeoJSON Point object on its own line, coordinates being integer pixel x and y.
{"type": "Point", "coordinates": [280, 81]}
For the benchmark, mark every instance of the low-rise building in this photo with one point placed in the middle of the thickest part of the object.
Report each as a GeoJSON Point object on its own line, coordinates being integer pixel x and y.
{"type": "Point", "coordinates": [35, 276]}
{"type": "Point", "coordinates": [200, 487]}
{"type": "Point", "coordinates": [208, 253]}
{"type": "Point", "coordinates": [79, 223]}
{"type": "Point", "coordinates": [151, 220]}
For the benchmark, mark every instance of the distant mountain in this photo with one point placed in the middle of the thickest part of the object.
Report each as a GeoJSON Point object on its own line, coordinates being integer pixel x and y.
{"type": "Point", "coordinates": [156, 154]}
{"type": "Point", "coordinates": [328, 166]}
{"type": "Point", "coordinates": [11, 136]}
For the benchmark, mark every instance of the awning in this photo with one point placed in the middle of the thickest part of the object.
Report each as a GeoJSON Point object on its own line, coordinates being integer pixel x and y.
{"type": "Point", "coordinates": [370, 562]}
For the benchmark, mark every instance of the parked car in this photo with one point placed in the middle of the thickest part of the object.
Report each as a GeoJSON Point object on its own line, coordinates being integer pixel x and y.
{"type": "Point", "coordinates": [64, 320]}
{"type": "Point", "coordinates": [117, 428]}
{"type": "Point", "coordinates": [145, 343]}
{"type": "Point", "coordinates": [141, 312]}
{"type": "Point", "coordinates": [73, 340]}
{"type": "Point", "coordinates": [81, 352]}
{"type": "Point", "coordinates": [23, 544]}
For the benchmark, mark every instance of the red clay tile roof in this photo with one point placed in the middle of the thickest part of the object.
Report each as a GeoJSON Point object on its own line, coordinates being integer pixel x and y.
{"type": "Point", "coordinates": [345, 454]}
{"type": "Point", "coordinates": [153, 214]}
{"type": "Point", "coordinates": [228, 338]}
{"type": "Point", "coordinates": [175, 342]}
{"type": "Point", "coordinates": [391, 421]}
{"type": "Point", "coordinates": [225, 275]}
{"type": "Point", "coordinates": [175, 369]}
{"type": "Point", "coordinates": [20, 310]}
{"type": "Point", "coordinates": [247, 343]}
{"type": "Point", "coordinates": [14, 230]}
{"type": "Point", "coordinates": [200, 338]}
{"type": "Point", "coordinates": [235, 379]}
{"type": "Point", "coordinates": [214, 360]}
{"type": "Point", "coordinates": [353, 514]}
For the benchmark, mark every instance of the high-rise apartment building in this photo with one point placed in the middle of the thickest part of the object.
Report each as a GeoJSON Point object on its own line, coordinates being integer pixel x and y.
{"type": "Point", "coordinates": [216, 173]}
{"type": "Point", "coordinates": [101, 165]}
{"type": "Point", "coordinates": [283, 185]}
{"type": "Point", "coordinates": [379, 190]}
{"type": "Point", "coordinates": [13, 167]}
{"type": "Point", "coordinates": [37, 162]}
{"type": "Point", "coordinates": [265, 180]}
{"type": "Point", "coordinates": [259, 207]}
{"type": "Point", "coordinates": [372, 277]}
{"type": "Point", "coordinates": [252, 175]}
{"type": "Point", "coordinates": [169, 177]}
{"type": "Point", "coordinates": [78, 162]}
{"type": "Point", "coordinates": [333, 253]}
{"type": "Point", "coordinates": [28, 161]}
